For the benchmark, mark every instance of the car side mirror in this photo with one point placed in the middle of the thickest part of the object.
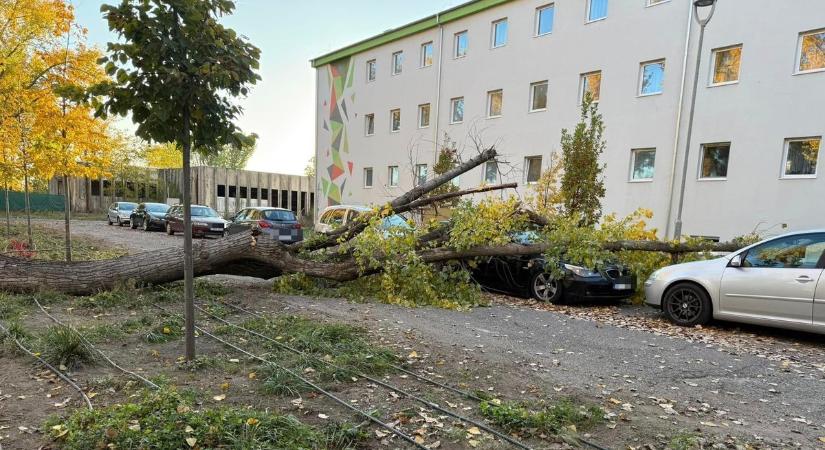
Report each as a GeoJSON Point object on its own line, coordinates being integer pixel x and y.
{"type": "Point", "coordinates": [736, 261]}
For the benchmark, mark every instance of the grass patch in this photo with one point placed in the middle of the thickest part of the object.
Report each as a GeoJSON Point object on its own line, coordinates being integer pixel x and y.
{"type": "Point", "coordinates": [564, 418]}
{"type": "Point", "coordinates": [343, 345]}
{"type": "Point", "coordinates": [167, 419]}
{"type": "Point", "coordinates": [683, 441]}
{"type": "Point", "coordinates": [50, 245]}
{"type": "Point", "coordinates": [280, 382]}
{"type": "Point", "coordinates": [62, 346]}
{"type": "Point", "coordinates": [13, 306]}
{"type": "Point", "coordinates": [170, 328]}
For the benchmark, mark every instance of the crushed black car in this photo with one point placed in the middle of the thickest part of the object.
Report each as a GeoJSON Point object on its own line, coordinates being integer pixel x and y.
{"type": "Point", "coordinates": [530, 275]}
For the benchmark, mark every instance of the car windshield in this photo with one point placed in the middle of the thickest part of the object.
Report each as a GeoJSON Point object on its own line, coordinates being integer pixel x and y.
{"type": "Point", "coordinates": [204, 211]}
{"type": "Point", "coordinates": [127, 206]}
{"type": "Point", "coordinates": [158, 208]}
{"type": "Point", "coordinates": [278, 215]}
{"type": "Point", "coordinates": [394, 221]}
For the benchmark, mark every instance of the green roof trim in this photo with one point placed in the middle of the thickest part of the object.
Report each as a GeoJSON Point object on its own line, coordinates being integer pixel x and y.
{"type": "Point", "coordinates": [448, 15]}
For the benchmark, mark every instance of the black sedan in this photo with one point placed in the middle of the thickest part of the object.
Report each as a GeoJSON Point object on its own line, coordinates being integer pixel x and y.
{"type": "Point", "coordinates": [149, 216]}
{"type": "Point", "coordinates": [529, 274]}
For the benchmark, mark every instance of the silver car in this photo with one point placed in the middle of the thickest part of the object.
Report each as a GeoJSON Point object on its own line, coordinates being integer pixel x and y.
{"type": "Point", "coordinates": [120, 213]}
{"type": "Point", "coordinates": [777, 282]}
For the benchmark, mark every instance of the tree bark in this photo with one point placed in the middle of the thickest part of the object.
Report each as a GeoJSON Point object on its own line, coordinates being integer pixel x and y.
{"type": "Point", "coordinates": [8, 213]}
{"type": "Point", "coordinates": [188, 264]}
{"type": "Point", "coordinates": [67, 215]}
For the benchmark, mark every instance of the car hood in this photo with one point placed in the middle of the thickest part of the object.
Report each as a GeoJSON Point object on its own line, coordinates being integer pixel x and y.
{"type": "Point", "coordinates": [207, 219]}
{"type": "Point", "coordinates": [692, 269]}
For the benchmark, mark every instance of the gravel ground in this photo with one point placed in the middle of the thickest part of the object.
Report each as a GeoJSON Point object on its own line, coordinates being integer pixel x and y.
{"type": "Point", "coordinates": [132, 240]}
{"type": "Point", "coordinates": [754, 382]}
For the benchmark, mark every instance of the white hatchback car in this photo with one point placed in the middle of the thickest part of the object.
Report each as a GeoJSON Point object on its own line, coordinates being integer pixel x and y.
{"type": "Point", "coordinates": [777, 282]}
{"type": "Point", "coordinates": [339, 215]}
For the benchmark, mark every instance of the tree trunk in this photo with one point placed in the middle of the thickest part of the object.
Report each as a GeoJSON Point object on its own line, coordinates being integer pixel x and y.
{"type": "Point", "coordinates": [67, 216]}
{"type": "Point", "coordinates": [28, 208]}
{"type": "Point", "coordinates": [188, 271]}
{"type": "Point", "coordinates": [8, 213]}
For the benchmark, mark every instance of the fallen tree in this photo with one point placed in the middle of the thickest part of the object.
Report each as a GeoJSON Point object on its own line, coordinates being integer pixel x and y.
{"type": "Point", "coordinates": [257, 255]}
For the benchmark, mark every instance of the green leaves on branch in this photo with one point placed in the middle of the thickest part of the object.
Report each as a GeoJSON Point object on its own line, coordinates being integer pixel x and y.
{"type": "Point", "coordinates": [582, 185]}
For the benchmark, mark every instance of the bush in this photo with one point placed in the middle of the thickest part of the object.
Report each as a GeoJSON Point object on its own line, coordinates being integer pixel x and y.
{"type": "Point", "coordinates": [166, 419]}
{"type": "Point", "coordinates": [62, 346]}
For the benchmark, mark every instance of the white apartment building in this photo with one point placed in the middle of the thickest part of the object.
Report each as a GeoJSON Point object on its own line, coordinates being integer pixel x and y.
{"type": "Point", "coordinates": [513, 72]}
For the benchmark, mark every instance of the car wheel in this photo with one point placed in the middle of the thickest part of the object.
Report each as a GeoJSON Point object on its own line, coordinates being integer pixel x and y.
{"type": "Point", "coordinates": [545, 288]}
{"type": "Point", "coordinates": [169, 230]}
{"type": "Point", "coordinates": [687, 305]}
{"type": "Point", "coordinates": [145, 225]}
{"type": "Point", "coordinates": [108, 220]}
{"type": "Point", "coordinates": [119, 222]}
{"type": "Point", "coordinates": [132, 224]}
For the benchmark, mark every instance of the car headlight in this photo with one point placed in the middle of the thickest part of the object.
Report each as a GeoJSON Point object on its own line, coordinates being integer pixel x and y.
{"type": "Point", "coordinates": [581, 271]}
{"type": "Point", "coordinates": [655, 275]}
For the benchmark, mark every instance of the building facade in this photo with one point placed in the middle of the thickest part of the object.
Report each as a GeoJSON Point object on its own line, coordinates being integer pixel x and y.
{"type": "Point", "coordinates": [225, 190]}
{"type": "Point", "coordinates": [512, 73]}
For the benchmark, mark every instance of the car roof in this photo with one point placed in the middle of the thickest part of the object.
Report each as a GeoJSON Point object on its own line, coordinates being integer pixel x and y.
{"type": "Point", "coordinates": [126, 203]}
{"type": "Point", "coordinates": [355, 207]}
{"type": "Point", "coordinates": [155, 203]}
{"type": "Point", "coordinates": [267, 208]}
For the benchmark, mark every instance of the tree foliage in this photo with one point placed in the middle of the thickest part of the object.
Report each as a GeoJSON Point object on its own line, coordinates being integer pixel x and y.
{"type": "Point", "coordinates": [582, 185]}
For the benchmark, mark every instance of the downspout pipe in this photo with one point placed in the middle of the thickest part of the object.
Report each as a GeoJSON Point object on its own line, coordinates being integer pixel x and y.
{"type": "Point", "coordinates": [437, 115]}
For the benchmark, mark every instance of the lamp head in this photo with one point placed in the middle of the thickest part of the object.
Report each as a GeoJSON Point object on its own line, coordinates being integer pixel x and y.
{"type": "Point", "coordinates": [703, 3]}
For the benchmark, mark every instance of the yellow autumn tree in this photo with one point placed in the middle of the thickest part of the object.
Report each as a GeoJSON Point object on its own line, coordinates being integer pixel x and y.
{"type": "Point", "coordinates": [163, 156]}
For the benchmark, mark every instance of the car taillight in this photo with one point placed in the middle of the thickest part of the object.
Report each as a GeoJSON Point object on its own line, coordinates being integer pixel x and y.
{"type": "Point", "coordinates": [264, 224]}
{"type": "Point", "coordinates": [296, 226]}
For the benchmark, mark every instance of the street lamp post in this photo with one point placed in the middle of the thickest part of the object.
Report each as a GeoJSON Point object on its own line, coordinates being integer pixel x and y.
{"type": "Point", "coordinates": [677, 229]}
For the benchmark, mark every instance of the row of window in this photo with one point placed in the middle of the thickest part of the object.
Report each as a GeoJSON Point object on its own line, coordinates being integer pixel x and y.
{"type": "Point", "coordinates": [810, 51]}
{"type": "Point", "coordinates": [799, 160]}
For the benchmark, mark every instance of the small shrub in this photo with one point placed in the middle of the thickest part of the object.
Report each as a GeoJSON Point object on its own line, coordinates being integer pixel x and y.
{"type": "Point", "coordinates": [683, 441]}
{"type": "Point", "coordinates": [62, 346]}
{"type": "Point", "coordinates": [278, 381]}
{"type": "Point", "coordinates": [556, 420]}
{"type": "Point", "coordinates": [169, 329]}
{"type": "Point", "coordinates": [166, 419]}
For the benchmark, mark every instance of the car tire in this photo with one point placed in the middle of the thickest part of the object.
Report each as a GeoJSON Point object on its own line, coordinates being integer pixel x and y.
{"type": "Point", "coordinates": [169, 229]}
{"type": "Point", "coordinates": [545, 288]}
{"type": "Point", "coordinates": [132, 224]}
{"type": "Point", "coordinates": [108, 220]}
{"type": "Point", "coordinates": [687, 305]}
{"type": "Point", "coordinates": [145, 224]}
{"type": "Point", "coordinates": [119, 222]}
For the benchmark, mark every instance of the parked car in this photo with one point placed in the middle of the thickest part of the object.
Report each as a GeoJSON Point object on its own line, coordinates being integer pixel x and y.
{"type": "Point", "coordinates": [279, 223]}
{"type": "Point", "coordinates": [120, 213]}
{"type": "Point", "coordinates": [205, 221]}
{"type": "Point", "coordinates": [776, 282]}
{"type": "Point", "coordinates": [335, 216]}
{"type": "Point", "coordinates": [529, 274]}
{"type": "Point", "coordinates": [148, 216]}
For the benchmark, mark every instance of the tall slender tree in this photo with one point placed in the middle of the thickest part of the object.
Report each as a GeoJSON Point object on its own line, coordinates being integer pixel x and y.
{"type": "Point", "coordinates": [582, 182]}
{"type": "Point", "coordinates": [176, 70]}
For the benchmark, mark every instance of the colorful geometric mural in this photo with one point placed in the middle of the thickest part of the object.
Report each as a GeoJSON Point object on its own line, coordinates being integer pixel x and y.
{"type": "Point", "coordinates": [335, 121]}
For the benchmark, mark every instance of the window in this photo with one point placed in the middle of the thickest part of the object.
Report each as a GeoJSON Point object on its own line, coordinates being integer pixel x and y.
{"type": "Point", "coordinates": [424, 115]}
{"type": "Point", "coordinates": [652, 78]}
{"type": "Point", "coordinates": [221, 190]}
{"type": "Point", "coordinates": [812, 51]}
{"type": "Point", "coordinates": [371, 70]}
{"type": "Point", "coordinates": [420, 174]}
{"type": "Point", "coordinates": [544, 19]}
{"type": "Point", "coordinates": [801, 251]}
{"type": "Point", "coordinates": [461, 42]}
{"type": "Point", "coordinates": [253, 193]}
{"type": "Point", "coordinates": [243, 192]}
{"type": "Point", "coordinates": [494, 99]}
{"type": "Point", "coordinates": [367, 177]}
{"type": "Point", "coordinates": [395, 120]}
{"type": "Point", "coordinates": [457, 110]}
{"type": "Point", "coordinates": [715, 161]}
{"type": "Point", "coordinates": [392, 176]}
{"type": "Point", "coordinates": [334, 217]}
{"type": "Point", "coordinates": [264, 194]}
{"type": "Point", "coordinates": [642, 162]}
{"type": "Point", "coordinates": [369, 124]}
{"type": "Point", "coordinates": [591, 85]}
{"type": "Point", "coordinates": [490, 172]}
{"type": "Point", "coordinates": [426, 54]}
{"type": "Point", "coordinates": [397, 62]}
{"type": "Point", "coordinates": [538, 96]}
{"type": "Point", "coordinates": [800, 158]}
{"type": "Point", "coordinates": [499, 34]}
{"type": "Point", "coordinates": [726, 65]}
{"type": "Point", "coordinates": [596, 10]}
{"type": "Point", "coordinates": [532, 168]}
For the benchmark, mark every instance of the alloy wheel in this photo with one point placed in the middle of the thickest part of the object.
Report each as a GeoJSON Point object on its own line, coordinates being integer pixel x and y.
{"type": "Point", "coordinates": [545, 286]}
{"type": "Point", "coordinates": [684, 305]}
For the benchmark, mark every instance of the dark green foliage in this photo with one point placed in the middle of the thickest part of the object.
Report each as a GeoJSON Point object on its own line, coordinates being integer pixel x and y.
{"type": "Point", "coordinates": [175, 70]}
{"type": "Point", "coordinates": [170, 328]}
{"type": "Point", "coordinates": [160, 419]}
{"type": "Point", "coordinates": [62, 346]}
{"type": "Point", "coordinates": [278, 381]}
{"type": "Point", "coordinates": [582, 184]}
{"type": "Point", "coordinates": [562, 418]}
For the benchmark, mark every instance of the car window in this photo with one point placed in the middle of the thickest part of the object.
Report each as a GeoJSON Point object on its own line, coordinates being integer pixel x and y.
{"type": "Point", "coordinates": [254, 214]}
{"type": "Point", "coordinates": [334, 217]}
{"type": "Point", "coordinates": [127, 206]}
{"type": "Point", "coordinates": [352, 214]}
{"type": "Point", "coordinates": [157, 208]}
{"type": "Point", "coordinates": [241, 215]}
{"type": "Point", "coordinates": [203, 211]}
{"type": "Point", "coordinates": [797, 252]}
{"type": "Point", "coordinates": [278, 215]}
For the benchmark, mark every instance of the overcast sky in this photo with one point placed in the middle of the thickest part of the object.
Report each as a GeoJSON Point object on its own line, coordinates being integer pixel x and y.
{"type": "Point", "coordinates": [289, 34]}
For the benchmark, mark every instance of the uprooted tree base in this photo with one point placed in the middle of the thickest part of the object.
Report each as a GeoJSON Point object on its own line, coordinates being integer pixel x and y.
{"type": "Point", "coordinates": [260, 256]}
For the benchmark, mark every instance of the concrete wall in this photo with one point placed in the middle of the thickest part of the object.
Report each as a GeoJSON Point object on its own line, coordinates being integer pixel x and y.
{"type": "Point", "coordinates": [769, 104]}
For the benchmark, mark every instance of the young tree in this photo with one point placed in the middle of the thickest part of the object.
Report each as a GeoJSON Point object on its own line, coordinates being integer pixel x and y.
{"type": "Point", "coordinates": [582, 185]}
{"type": "Point", "coordinates": [309, 170]}
{"type": "Point", "coordinates": [447, 160]}
{"type": "Point", "coordinates": [175, 71]}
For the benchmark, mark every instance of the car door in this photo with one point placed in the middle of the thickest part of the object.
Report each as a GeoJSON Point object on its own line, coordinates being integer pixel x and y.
{"type": "Point", "coordinates": [819, 298]}
{"type": "Point", "coordinates": [176, 218]}
{"type": "Point", "coordinates": [776, 280]}
{"type": "Point", "coordinates": [112, 213]}
{"type": "Point", "coordinates": [237, 225]}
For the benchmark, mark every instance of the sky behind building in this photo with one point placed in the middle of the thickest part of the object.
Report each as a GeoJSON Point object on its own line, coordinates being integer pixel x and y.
{"type": "Point", "coordinates": [280, 109]}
